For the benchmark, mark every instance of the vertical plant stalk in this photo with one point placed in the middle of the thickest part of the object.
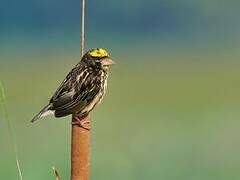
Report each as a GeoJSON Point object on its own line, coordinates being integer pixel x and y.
{"type": "Point", "coordinates": [3, 109]}
{"type": "Point", "coordinates": [80, 136]}
{"type": "Point", "coordinates": [83, 27]}
{"type": "Point", "coordinates": [79, 152]}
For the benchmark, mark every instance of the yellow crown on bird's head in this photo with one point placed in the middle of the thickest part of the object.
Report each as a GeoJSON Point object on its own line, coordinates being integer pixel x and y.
{"type": "Point", "coordinates": [98, 53]}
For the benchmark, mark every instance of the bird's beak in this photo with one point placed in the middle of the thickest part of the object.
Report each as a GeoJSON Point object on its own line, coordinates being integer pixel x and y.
{"type": "Point", "coordinates": [107, 62]}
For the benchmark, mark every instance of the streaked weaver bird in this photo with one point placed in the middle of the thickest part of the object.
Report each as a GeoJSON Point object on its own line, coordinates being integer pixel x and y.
{"type": "Point", "coordinates": [82, 89]}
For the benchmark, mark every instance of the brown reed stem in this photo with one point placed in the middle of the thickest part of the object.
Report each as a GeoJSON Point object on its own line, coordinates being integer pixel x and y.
{"type": "Point", "coordinates": [79, 152]}
{"type": "Point", "coordinates": [80, 136]}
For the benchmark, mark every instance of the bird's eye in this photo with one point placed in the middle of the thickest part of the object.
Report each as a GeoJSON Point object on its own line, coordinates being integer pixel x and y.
{"type": "Point", "coordinates": [96, 60]}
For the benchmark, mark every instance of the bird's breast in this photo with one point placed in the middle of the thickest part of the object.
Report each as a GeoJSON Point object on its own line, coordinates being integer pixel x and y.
{"type": "Point", "coordinates": [98, 98]}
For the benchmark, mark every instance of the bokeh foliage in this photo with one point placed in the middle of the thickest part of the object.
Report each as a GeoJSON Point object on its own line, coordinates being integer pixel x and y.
{"type": "Point", "coordinates": [172, 107]}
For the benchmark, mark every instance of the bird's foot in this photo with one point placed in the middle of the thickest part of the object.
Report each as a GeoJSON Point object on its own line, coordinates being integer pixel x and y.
{"type": "Point", "coordinates": [82, 122]}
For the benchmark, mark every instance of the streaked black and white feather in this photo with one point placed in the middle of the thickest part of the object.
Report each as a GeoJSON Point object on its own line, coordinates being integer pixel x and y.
{"type": "Point", "coordinates": [82, 89]}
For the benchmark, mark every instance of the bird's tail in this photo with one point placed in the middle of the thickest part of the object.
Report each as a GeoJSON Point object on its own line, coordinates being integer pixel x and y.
{"type": "Point", "coordinates": [44, 112]}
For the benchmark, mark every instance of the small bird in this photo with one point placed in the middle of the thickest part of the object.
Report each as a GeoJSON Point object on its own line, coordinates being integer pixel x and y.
{"type": "Point", "coordinates": [82, 89]}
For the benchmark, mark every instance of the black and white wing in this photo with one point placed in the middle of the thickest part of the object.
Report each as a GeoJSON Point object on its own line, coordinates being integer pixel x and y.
{"type": "Point", "coordinates": [77, 91]}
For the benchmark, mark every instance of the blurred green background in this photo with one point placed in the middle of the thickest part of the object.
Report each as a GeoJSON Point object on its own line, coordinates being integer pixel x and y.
{"type": "Point", "coordinates": [172, 107]}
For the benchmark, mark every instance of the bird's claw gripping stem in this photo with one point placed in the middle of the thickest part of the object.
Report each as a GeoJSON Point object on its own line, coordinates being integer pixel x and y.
{"type": "Point", "coordinates": [82, 122]}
